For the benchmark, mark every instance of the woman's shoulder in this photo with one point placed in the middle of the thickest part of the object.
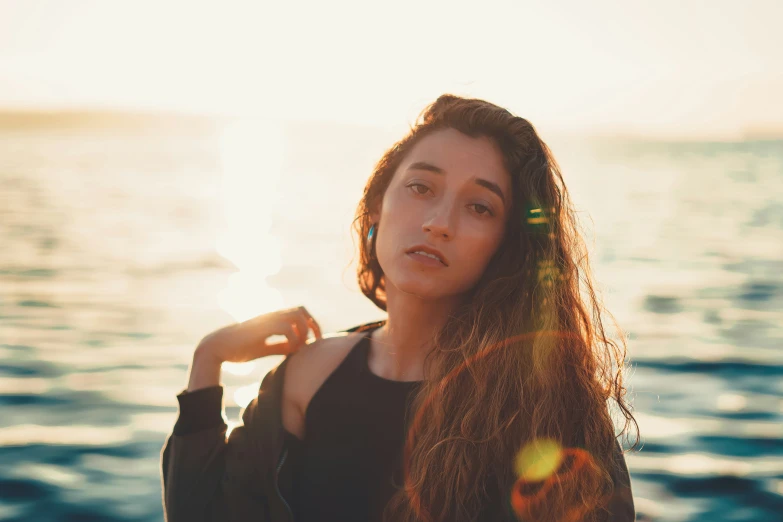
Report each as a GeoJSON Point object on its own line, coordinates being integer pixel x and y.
{"type": "Point", "coordinates": [314, 362]}
{"type": "Point", "coordinates": [314, 358]}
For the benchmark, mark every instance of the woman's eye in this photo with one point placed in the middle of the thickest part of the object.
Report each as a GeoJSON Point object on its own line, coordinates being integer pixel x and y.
{"type": "Point", "coordinates": [419, 185]}
{"type": "Point", "coordinates": [486, 212]}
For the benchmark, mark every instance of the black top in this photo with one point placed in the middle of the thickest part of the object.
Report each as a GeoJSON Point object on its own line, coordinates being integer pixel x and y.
{"type": "Point", "coordinates": [350, 462]}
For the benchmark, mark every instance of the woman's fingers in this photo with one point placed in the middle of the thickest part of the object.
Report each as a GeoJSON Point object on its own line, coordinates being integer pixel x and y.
{"type": "Point", "coordinates": [247, 340]}
{"type": "Point", "coordinates": [315, 326]}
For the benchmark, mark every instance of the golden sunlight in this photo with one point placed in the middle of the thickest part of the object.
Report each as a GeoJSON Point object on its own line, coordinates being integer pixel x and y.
{"type": "Point", "coordinates": [251, 157]}
{"type": "Point", "coordinates": [251, 153]}
{"type": "Point", "coordinates": [244, 394]}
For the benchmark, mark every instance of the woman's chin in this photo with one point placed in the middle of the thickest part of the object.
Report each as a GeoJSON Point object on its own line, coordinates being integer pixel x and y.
{"type": "Point", "coordinates": [420, 286]}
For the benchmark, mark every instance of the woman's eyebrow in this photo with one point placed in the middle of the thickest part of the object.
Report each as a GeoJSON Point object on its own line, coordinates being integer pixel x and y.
{"type": "Point", "coordinates": [494, 187]}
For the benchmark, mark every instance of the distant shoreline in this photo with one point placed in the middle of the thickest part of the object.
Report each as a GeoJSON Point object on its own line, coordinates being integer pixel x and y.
{"type": "Point", "coordinates": [104, 118]}
{"type": "Point", "coordinates": [164, 120]}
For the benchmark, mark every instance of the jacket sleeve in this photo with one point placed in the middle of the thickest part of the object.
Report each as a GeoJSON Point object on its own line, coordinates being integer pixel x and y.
{"type": "Point", "coordinates": [620, 507]}
{"type": "Point", "coordinates": [206, 476]}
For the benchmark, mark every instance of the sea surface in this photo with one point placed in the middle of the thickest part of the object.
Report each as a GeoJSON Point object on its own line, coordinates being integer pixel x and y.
{"type": "Point", "coordinates": [125, 241]}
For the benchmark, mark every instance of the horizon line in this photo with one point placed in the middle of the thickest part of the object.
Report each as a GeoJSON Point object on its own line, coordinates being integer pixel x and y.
{"type": "Point", "coordinates": [752, 132]}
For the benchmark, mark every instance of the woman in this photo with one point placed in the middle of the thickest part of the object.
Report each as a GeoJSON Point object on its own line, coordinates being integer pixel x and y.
{"type": "Point", "coordinates": [482, 396]}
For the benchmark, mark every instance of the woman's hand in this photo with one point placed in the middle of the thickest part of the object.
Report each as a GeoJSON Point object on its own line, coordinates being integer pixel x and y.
{"type": "Point", "coordinates": [246, 341]}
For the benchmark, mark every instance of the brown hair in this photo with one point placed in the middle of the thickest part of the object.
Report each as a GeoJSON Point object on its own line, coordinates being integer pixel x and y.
{"type": "Point", "coordinates": [523, 359]}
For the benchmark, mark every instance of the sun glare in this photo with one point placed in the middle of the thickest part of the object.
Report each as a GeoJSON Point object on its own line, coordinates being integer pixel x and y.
{"type": "Point", "coordinates": [251, 154]}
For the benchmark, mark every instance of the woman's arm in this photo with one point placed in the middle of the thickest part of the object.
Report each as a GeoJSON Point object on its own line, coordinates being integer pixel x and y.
{"type": "Point", "coordinates": [193, 458]}
{"type": "Point", "coordinates": [204, 474]}
{"type": "Point", "coordinates": [204, 371]}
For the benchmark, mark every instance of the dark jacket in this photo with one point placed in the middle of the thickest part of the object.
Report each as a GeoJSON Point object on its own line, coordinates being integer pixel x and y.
{"type": "Point", "coordinates": [208, 478]}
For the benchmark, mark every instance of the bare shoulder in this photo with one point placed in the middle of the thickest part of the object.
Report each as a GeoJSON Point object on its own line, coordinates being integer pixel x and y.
{"type": "Point", "coordinates": [306, 371]}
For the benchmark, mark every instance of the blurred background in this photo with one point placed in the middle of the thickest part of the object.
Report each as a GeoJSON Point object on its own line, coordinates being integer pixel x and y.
{"type": "Point", "coordinates": [169, 167]}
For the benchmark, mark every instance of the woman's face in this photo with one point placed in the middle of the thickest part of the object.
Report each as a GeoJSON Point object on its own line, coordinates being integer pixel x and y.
{"type": "Point", "coordinates": [451, 193]}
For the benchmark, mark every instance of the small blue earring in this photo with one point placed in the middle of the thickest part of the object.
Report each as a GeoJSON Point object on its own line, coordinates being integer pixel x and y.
{"type": "Point", "coordinates": [371, 232]}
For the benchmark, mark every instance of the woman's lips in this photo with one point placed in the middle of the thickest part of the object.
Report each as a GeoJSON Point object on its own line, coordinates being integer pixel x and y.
{"type": "Point", "coordinates": [425, 260]}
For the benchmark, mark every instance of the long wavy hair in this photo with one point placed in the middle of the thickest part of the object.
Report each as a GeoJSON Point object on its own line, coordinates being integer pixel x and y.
{"type": "Point", "coordinates": [523, 360]}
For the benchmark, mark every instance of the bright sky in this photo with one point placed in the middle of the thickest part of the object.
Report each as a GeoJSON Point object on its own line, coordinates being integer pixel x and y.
{"type": "Point", "coordinates": [707, 68]}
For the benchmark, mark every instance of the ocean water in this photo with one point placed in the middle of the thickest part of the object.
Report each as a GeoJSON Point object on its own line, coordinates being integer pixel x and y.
{"type": "Point", "coordinates": [123, 244]}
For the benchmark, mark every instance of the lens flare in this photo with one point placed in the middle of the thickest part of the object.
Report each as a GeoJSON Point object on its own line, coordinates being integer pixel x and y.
{"type": "Point", "coordinates": [537, 460]}
{"type": "Point", "coordinates": [541, 464]}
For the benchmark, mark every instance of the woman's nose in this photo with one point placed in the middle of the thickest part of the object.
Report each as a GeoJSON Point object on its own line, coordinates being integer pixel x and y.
{"type": "Point", "coordinates": [439, 226]}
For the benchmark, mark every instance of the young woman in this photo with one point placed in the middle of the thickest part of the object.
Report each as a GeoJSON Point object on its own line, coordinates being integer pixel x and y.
{"type": "Point", "coordinates": [484, 395]}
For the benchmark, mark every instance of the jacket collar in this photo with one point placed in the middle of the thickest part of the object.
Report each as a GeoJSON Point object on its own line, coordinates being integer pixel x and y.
{"type": "Point", "coordinates": [266, 421]}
